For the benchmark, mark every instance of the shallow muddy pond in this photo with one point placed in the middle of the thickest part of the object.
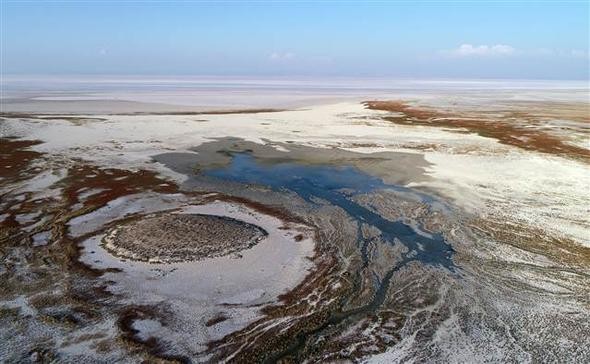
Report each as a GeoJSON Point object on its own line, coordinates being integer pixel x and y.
{"type": "Point", "coordinates": [336, 184]}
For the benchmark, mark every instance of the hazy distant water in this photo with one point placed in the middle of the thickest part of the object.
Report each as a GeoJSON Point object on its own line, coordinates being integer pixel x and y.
{"type": "Point", "coordinates": [20, 93]}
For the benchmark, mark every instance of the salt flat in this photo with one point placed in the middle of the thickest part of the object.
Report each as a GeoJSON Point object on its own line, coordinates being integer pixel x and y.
{"type": "Point", "coordinates": [513, 210]}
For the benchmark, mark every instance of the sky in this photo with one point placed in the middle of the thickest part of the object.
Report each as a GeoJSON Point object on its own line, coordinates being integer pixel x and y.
{"type": "Point", "coordinates": [405, 39]}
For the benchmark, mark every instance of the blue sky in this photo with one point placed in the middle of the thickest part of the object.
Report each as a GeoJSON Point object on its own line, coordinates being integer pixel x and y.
{"type": "Point", "coordinates": [428, 39]}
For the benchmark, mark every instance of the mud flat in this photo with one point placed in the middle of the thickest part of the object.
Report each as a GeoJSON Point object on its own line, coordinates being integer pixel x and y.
{"type": "Point", "coordinates": [435, 227]}
{"type": "Point", "coordinates": [181, 237]}
{"type": "Point", "coordinates": [393, 239]}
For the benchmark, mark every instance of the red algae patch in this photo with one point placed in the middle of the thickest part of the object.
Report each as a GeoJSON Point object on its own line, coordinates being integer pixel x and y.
{"type": "Point", "coordinates": [15, 156]}
{"type": "Point", "coordinates": [110, 183]}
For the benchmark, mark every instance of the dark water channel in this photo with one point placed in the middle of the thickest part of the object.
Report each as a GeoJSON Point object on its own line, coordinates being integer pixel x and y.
{"type": "Point", "coordinates": [336, 185]}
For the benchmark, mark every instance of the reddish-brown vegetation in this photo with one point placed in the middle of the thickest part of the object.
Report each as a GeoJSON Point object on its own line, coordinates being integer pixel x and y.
{"type": "Point", "coordinates": [506, 132]}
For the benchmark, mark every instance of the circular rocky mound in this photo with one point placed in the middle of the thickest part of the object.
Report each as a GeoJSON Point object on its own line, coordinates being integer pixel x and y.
{"type": "Point", "coordinates": [181, 237]}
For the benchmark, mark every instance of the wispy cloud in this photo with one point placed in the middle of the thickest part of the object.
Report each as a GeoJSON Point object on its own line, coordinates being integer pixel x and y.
{"type": "Point", "coordinates": [579, 53]}
{"type": "Point", "coordinates": [470, 50]}
{"type": "Point", "coordinates": [484, 50]}
{"type": "Point", "coordinates": [562, 53]}
{"type": "Point", "coordinates": [278, 56]}
{"type": "Point", "coordinates": [503, 50]}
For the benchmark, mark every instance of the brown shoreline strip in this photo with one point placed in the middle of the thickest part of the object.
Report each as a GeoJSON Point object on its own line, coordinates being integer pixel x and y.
{"type": "Point", "coordinates": [505, 131]}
